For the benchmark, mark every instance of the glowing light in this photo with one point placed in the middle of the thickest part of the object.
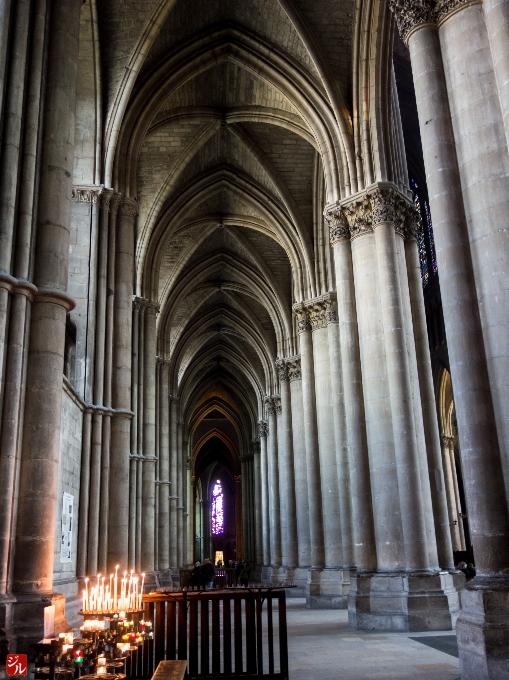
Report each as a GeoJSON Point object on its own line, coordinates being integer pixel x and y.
{"type": "Point", "coordinates": [217, 509]}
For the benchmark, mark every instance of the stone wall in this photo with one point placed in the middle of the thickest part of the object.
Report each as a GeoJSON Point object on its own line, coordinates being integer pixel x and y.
{"type": "Point", "coordinates": [64, 573]}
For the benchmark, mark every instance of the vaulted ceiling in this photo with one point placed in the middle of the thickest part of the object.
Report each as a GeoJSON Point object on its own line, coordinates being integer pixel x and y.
{"type": "Point", "coordinates": [231, 124]}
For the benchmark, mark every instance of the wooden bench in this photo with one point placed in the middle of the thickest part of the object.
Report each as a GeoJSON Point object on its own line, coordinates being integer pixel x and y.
{"type": "Point", "coordinates": [170, 670]}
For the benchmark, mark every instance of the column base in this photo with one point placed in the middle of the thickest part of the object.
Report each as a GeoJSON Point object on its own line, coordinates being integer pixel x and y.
{"type": "Point", "coordinates": [275, 575]}
{"type": "Point", "coordinates": [165, 578]}
{"type": "Point", "coordinates": [483, 630]}
{"type": "Point", "coordinates": [325, 589]}
{"type": "Point", "coordinates": [404, 601]}
{"type": "Point", "coordinates": [298, 577]}
{"type": "Point", "coordinates": [27, 618]}
{"type": "Point", "coordinates": [265, 573]}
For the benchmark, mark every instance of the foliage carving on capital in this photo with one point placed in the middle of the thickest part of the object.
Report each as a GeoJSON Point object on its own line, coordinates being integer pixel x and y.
{"type": "Point", "coordinates": [448, 442]}
{"type": "Point", "coordinates": [294, 368]}
{"type": "Point", "coordinates": [270, 406]}
{"type": "Point", "coordinates": [282, 370]}
{"type": "Point", "coordinates": [264, 428]}
{"type": "Point", "coordinates": [338, 225]}
{"type": "Point", "coordinates": [129, 208]}
{"type": "Point", "coordinates": [87, 193]}
{"type": "Point", "coordinates": [446, 7]}
{"type": "Point", "coordinates": [303, 320]}
{"type": "Point", "coordinates": [410, 14]}
{"type": "Point", "coordinates": [277, 404]}
{"type": "Point", "coordinates": [358, 215]}
{"type": "Point", "coordinates": [115, 203]}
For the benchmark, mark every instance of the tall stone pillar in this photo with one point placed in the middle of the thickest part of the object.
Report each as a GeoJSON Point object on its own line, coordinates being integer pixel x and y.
{"type": "Point", "coordinates": [289, 541]}
{"type": "Point", "coordinates": [272, 405]}
{"type": "Point", "coordinates": [293, 366]}
{"type": "Point", "coordinates": [173, 482]}
{"type": "Point", "coordinates": [455, 142]}
{"type": "Point", "coordinates": [317, 552]}
{"type": "Point", "coordinates": [264, 433]}
{"type": "Point", "coordinates": [427, 405]}
{"type": "Point", "coordinates": [180, 497]}
{"type": "Point", "coordinates": [164, 470]}
{"type": "Point", "coordinates": [238, 516]}
{"type": "Point", "coordinates": [118, 524]}
{"type": "Point", "coordinates": [258, 505]}
{"type": "Point", "coordinates": [407, 584]}
{"type": "Point", "coordinates": [149, 439]}
{"type": "Point", "coordinates": [340, 436]}
{"type": "Point", "coordinates": [35, 530]}
{"type": "Point", "coordinates": [326, 585]}
{"type": "Point", "coordinates": [363, 535]}
{"type": "Point", "coordinates": [496, 13]}
{"type": "Point", "coordinates": [458, 539]}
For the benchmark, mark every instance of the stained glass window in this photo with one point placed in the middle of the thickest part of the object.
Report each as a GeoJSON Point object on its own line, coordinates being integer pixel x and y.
{"type": "Point", "coordinates": [431, 238]}
{"type": "Point", "coordinates": [426, 241]}
{"type": "Point", "coordinates": [217, 509]}
{"type": "Point", "coordinates": [421, 243]}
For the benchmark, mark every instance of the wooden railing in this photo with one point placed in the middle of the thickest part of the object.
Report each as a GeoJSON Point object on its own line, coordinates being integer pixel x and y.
{"type": "Point", "coordinates": [222, 634]}
{"type": "Point", "coordinates": [224, 578]}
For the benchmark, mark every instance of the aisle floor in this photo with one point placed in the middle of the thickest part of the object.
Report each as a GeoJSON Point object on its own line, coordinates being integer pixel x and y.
{"type": "Point", "coordinates": [322, 647]}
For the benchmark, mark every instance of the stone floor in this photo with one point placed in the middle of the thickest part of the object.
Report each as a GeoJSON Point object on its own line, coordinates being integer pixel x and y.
{"type": "Point", "coordinates": [322, 647]}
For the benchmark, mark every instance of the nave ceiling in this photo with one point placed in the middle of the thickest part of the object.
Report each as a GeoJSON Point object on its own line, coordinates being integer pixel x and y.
{"type": "Point", "coordinates": [232, 124]}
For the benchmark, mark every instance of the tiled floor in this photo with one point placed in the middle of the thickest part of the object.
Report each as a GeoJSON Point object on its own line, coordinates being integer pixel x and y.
{"type": "Point", "coordinates": [322, 647]}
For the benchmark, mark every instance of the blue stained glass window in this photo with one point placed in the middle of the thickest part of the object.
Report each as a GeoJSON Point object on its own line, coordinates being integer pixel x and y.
{"type": "Point", "coordinates": [217, 509]}
{"type": "Point", "coordinates": [431, 238]}
{"type": "Point", "coordinates": [421, 243]}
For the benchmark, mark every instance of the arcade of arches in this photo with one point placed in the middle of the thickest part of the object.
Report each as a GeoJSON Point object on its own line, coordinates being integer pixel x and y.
{"type": "Point", "coordinates": [217, 221]}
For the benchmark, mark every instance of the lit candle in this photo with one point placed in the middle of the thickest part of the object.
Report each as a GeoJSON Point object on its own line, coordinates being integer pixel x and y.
{"type": "Point", "coordinates": [86, 586]}
{"type": "Point", "coordinates": [115, 594]}
{"type": "Point", "coordinates": [142, 584]}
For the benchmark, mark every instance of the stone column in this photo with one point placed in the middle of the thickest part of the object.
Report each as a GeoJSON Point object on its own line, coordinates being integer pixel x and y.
{"type": "Point", "coordinates": [238, 516]}
{"type": "Point", "coordinates": [118, 525]}
{"type": "Point", "coordinates": [340, 437]}
{"type": "Point", "coordinates": [293, 366]}
{"type": "Point", "coordinates": [149, 439]}
{"type": "Point", "coordinates": [311, 439]}
{"type": "Point", "coordinates": [360, 487]}
{"type": "Point", "coordinates": [483, 161]}
{"type": "Point", "coordinates": [164, 470]}
{"type": "Point", "coordinates": [180, 498]}
{"type": "Point", "coordinates": [289, 542]}
{"type": "Point", "coordinates": [35, 530]}
{"type": "Point", "coordinates": [398, 379]}
{"type": "Point", "coordinates": [445, 159]}
{"type": "Point", "coordinates": [450, 488]}
{"type": "Point", "coordinates": [405, 587]}
{"type": "Point", "coordinates": [173, 482]}
{"type": "Point", "coordinates": [264, 433]}
{"type": "Point", "coordinates": [496, 14]}
{"type": "Point", "coordinates": [258, 506]}
{"type": "Point", "coordinates": [427, 403]}
{"type": "Point", "coordinates": [272, 404]}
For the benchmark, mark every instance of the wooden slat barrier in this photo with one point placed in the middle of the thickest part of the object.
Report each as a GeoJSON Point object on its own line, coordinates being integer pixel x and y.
{"type": "Point", "coordinates": [224, 578]}
{"type": "Point", "coordinates": [217, 643]}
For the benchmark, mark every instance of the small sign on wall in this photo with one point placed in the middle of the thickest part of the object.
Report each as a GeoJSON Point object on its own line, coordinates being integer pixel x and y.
{"type": "Point", "coordinates": [67, 527]}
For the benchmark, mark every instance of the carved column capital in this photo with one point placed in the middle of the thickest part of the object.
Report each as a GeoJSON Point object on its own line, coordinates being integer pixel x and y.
{"type": "Point", "coordinates": [316, 313]}
{"type": "Point", "coordinates": [294, 368]}
{"type": "Point", "coordinates": [114, 204]}
{"type": "Point", "coordinates": [128, 208]}
{"type": "Point", "coordinates": [87, 193]}
{"type": "Point", "coordinates": [303, 320]}
{"type": "Point", "coordinates": [338, 224]}
{"type": "Point", "coordinates": [264, 428]}
{"type": "Point", "coordinates": [357, 212]}
{"type": "Point", "coordinates": [277, 404]}
{"type": "Point", "coordinates": [270, 406]}
{"type": "Point", "coordinates": [282, 370]}
{"type": "Point", "coordinates": [412, 14]}
{"type": "Point", "coordinates": [238, 479]}
{"type": "Point", "coordinates": [447, 441]}
{"type": "Point", "coordinates": [446, 8]}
